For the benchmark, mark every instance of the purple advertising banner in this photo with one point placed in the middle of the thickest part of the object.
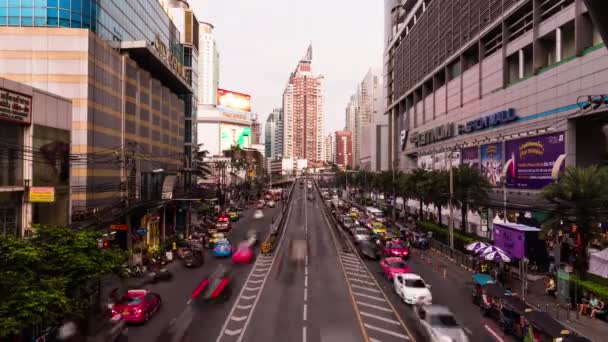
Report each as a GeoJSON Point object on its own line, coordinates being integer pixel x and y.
{"type": "Point", "coordinates": [510, 240]}
{"type": "Point", "coordinates": [492, 162]}
{"type": "Point", "coordinates": [470, 156]}
{"type": "Point", "coordinates": [533, 160]}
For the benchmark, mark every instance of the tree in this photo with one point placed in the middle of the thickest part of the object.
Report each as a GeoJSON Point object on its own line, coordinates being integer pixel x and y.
{"type": "Point", "coordinates": [50, 276]}
{"type": "Point", "coordinates": [439, 192]}
{"type": "Point", "coordinates": [470, 191]}
{"type": "Point", "coordinates": [581, 194]}
{"type": "Point", "coordinates": [417, 185]}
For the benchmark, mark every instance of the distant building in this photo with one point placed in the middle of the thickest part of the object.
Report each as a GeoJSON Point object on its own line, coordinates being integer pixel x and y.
{"type": "Point", "coordinates": [209, 66]}
{"type": "Point", "coordinates": [344, 149]}
{"type": "Point", "coordinates": [256, 130]}
{"type": "Point", "coordinates": [269, 130]}
{"type": "Point", "coordinates": [303, 113]}
{"type": "Point", "coordinates": [330, 148]}
{"type": "Point", "coordinates": [372, 143]}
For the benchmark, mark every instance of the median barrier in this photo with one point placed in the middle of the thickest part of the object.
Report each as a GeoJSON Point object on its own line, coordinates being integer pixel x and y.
{"type": "Point", "coordinates": [334, 223]}
{"type": "Point", "coordinates": [269, 244]}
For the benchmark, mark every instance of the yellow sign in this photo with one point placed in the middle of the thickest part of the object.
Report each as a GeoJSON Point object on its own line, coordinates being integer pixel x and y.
{"type": "Point", "coordinates": [40, 194]}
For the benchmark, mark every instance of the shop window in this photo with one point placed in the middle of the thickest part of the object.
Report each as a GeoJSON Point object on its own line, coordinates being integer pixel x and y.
{"type": "Point", "coordinates": [52, 148]}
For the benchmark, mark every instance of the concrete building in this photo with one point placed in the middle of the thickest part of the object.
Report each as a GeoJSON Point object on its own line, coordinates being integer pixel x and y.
{"type": "Point", "coordinates": [34, 157]}
{"type": "Point", "coordinates": [120, 65]}
{"type": "Point", "coordinates": [371, 113]}
{"type": "Point", "coordinates": [303, 113]}
{"type": "Point", "coordinates": [505, 89]}
{"type": "Point", "coordinates": [330, 148]}
{"type": "Point", "coordinates": [352, 120]}
{"type": "Point", "coordinates": [344, 149]}
{"type": "Point", "coordinates": [209, 65]}
{"type": "Point", "coordinates": [269, 131]}
{"type": "Point", "coordinates": [256, 130]}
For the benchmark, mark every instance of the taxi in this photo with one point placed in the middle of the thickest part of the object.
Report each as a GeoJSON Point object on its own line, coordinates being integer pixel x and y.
{"type": "Point", "coordinates": [378, 228]}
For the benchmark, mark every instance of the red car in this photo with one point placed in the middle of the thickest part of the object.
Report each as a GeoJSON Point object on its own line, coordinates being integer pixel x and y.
{"type": "Point", "coordinates": [392, 266]}
{"type": "Point", "coordinates": [243, 253]}
{"type": "Point", "coordinates": [396, 249]}
{"type": "Point", "coordinates": [137, 306]}
{"type": "Point", "coordinates": [223, 224]}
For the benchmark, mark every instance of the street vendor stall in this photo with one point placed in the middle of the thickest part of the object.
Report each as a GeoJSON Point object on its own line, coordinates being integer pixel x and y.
{"type": "Point", "coordinates": [598, 263]}
{"type": "Point", "coordinates": [520, 241]}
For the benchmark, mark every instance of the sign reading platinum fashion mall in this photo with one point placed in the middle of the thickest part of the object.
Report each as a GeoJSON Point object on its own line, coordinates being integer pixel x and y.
{"type": "Point", "coordinates": [488, 121]}
{"type": "Point", "coordinates": [434, 135]}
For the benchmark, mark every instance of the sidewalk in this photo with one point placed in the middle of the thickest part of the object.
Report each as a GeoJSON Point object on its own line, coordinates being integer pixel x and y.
{"type": "Point", "coordinates": [594, 329]}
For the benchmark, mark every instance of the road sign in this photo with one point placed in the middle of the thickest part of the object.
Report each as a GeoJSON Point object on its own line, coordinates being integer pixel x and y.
{"type": "Point", "coordinates": [141, 231]}
{"type": "Point", "coordinates": [121, 227]}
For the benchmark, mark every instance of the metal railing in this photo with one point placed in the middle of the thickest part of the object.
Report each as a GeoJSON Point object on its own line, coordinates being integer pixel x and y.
{"type": "Point", "coordinates": [465, 261]}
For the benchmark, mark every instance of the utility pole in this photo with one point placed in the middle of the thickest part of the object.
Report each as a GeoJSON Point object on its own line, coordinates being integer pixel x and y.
{"type": "Point", "coordinates": [451, 203]}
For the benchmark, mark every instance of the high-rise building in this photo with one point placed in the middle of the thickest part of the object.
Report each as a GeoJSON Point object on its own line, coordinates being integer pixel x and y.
{"type": "Point", "coordinates": [371, 112]}
{"type": "Point", "coordinates": [120, 63]}
{"type": "Point", "coordinates": [209, 66]}
{"type": "Point", "coordinates": [330, 148]}
{"type": "Point", "coordinates": [353, 121]}
{"type": "Point", "coordinates": [269, 131]}
{"type": "Point", "coordinates": [256, 129]}
{"type": "Point", "coordinates": [303, 113]}
{"type": "Point", "coordinates": [344, 149]}
{"type": "Point", "coordinates": [277, 137]}
{"type": "Point", "coordinates": [506, 88]}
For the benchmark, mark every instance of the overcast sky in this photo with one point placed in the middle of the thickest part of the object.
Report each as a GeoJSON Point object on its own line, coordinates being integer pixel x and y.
{"type": "Point", "coordinates": [261, 41]}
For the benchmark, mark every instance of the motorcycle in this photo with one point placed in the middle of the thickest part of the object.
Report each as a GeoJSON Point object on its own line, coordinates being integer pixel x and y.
{"type": "Point", "coordinates": [117, 330]}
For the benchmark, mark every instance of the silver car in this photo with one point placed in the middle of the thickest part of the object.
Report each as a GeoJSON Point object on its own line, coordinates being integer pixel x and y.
{"type": "Point", "coordinates": [440, 325]}
{"type": "Point", "coordinates": [360, 234]}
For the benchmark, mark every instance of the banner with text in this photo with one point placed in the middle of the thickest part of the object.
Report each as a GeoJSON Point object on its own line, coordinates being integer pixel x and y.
{"type": "Point", "coordinates": [533, 160]}
{"type": "Point", "coordinates": [470, 157]}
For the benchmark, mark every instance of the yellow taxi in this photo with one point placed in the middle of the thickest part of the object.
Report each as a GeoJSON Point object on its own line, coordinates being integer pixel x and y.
{"type": "Point", "coordinates": [378, 228]}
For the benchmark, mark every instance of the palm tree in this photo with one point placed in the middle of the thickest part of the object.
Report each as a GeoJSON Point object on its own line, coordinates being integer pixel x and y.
{"type": "Point", "coordinates": [470, 191]}
{"type": "Point", "coordinates": [439, 192]}
{"type": "Point", "coordinates": [203, 168]}
{"type": "Point", "coordinates": [581, 194]}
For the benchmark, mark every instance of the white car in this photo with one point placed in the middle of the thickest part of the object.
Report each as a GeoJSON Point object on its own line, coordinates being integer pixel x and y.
{"type": "Point", "coordinates": [440, 325]}
{"type": "Point", "coordinates": [271, 204]}
{"type": "Point", "coordinates": [258, 214]}
{"type": "Point", "coordinates": [412, 289]}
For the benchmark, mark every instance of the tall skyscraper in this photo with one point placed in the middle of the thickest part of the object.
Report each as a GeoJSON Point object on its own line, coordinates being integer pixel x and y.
{"type": "Point", "coordinates": [209, 66]}
{"type": "Point", "coordinates": [256, 130]}
{"type": "Point", "coordinates": [330, 148]}
{"type": "Point", "coordinates": [352, 124]}
{"type": "Point", "coordinates": [344, 148]}
{"type": "Point", "coordinates": [303, 113]}
{"type": "Point", "coordinates": [269, 130]}
{"type": "Point", "coordinates": [274, 134]}
{"type": "Point", "coordinates": [371, 111]}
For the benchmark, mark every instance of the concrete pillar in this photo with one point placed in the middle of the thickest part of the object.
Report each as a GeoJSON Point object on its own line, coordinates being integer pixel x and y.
{"type": "Point", "coordinates": [558, 45]}
{"type": "Point", "coordinates": [521, 63]}
{"type": "Point", "coordinates": [26, 207]}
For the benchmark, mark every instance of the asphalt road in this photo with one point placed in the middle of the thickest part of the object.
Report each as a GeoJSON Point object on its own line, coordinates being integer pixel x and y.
{"type": "Point", "coordinates": [176, 293]}
{"type": "Point", "coordinates": [305, 299]}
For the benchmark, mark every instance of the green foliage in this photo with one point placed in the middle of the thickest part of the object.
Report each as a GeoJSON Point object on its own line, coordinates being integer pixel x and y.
{"type": "Point", "coordinates": [591, 285]}
{"type": "Point", "coordinates": [581, 194]}
{"type": "Point", "coordinates": [441, 234]}
{"type": "Point", "coordinates": [50, 276]}
{"type": "Point", "coordinates": [470, 190]}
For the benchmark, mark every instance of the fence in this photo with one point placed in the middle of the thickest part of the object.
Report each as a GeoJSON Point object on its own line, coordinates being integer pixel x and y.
{"type": "Point", "coordinates": [465, 261]}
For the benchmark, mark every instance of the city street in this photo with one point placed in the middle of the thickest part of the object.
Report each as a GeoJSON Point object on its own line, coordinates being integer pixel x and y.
{"type": "Point", "coordinates": [176, 293]}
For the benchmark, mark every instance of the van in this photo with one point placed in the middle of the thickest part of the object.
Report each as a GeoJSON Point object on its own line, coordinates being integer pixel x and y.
{"type": "Point", "coordinates": [375, 213]}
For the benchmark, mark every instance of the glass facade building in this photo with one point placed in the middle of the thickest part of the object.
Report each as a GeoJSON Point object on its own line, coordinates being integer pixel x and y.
{"type": "Point", "coordinates": [112, 20]}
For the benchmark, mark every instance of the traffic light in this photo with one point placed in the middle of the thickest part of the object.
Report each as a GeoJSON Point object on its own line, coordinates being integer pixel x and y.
{"type": "Point", "coordinates": [105, 244]}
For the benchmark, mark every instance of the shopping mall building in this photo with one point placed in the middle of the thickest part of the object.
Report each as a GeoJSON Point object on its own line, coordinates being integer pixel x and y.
{"type": "Point", "coordinates": [500, 85]}
{"type": "Point", "coordinates": [122, 66]}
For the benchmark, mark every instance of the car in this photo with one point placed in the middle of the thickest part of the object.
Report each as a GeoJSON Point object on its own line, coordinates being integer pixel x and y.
{"type": "Point", "coordinates": [369, 250]}
{"type": "Point", "coordinates": [420, 241]}
{"type": "Point", "coordinates": [137, 306]}
{"type": "Point", "coordinates": [193, 258]}
{"type": "Point", "coordinates": [412, 289]}
{"type": "Point", "coordinates": [377, 227]}
{"type": "Point", "coordinates": [439, 324]}
{"type": "Point", "coordinates": [215, 237]}
{"type": "Point", "coordinates": [223, 224]}
{"type": "Point", "coordinates": [222, 248]}
{"type": "Point", "coordinates": [215, 287]}
{"type": "Point", "coordinates": [258, 214]}
{"type": "Point", "coordinates": [243, 253]}
{"type": "Point", "coordinates": [391, 266]}
{"type": "Point", "coordinates": [271, 204]}
{"type": "Point", "coordinates": [348, 222]}
{"type": "Point", "coordinates": [396, 249]}
{"type": "Point", "coordinates": [361, 234]}
{"type": "Point", "coordinates": [261, 204]}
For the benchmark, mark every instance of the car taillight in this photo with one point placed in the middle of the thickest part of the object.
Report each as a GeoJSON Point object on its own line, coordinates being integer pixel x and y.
{"type": "Point", "coordinates": [198, 290]}
{"type": "Point", "coordinates": [219, 288]}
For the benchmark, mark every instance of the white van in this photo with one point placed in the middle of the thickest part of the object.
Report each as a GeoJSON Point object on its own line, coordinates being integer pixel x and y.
{"type": "Point", "coordinates": [375, 213]}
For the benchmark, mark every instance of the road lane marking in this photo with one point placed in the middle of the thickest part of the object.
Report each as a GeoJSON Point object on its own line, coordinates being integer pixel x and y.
{"type": "Point", "coordinates": [374, 306]}
{"type": "Point", "coordinates": [368, 296]}
{"type": "Point", "coordinates": [387, 320]}
{"type": "Point", "coordinates": [360, 275]}
{"type": "Point", "coordinates": [238, 319]}
{"type": "Point", "coordinates": [252, 288]}
{"type": "Point", "coordinates": [388, 332]}
{"type": "Point", "coordinates": [371, 339]}
{"type": "Point", "coordinates": [248, 297]}
{"type": "Point", "coordinates": [359, 269]}
{"type": "Point", "coordinates": [351, 262]}
{"type": "Point", "coordinates": [306, 271]}
{"type": "Point", "coordinates": [366, 288]}
{"type": "Point", "coordinates": [493, 333]}
{"type": "Point", "coordinates": [361, 281]}
{"type": "Point", "coordinates": [304, 334]}
{"type": "Point", "coordinates": [306, 260]}
{"type": "Point", "coordinates": [255, 281]}
{"type": "Point", "coordinates": [232, 332]}
{"type": "Point", "coordinates": [258, 275]}
{"type": "Point", "coordinates": [305, 313]}
{"type": "Point", "coordinates": [305, 294]}
{"type": "Point", "coordinates": [244, 307]}
{"type": "Point", "coordinates": [262, 269]}
{"type": "Point", "coordinates": [306, 281]}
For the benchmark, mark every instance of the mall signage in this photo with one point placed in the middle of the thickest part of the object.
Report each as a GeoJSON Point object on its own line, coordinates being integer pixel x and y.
{"type": "Point", "coordinates": [488, 121]}
{"type": "Point", "coordinates": [168, 56]}
{"type": "Point", "coordinates": [15, 107]}
{"type": "Point", "coordinates": [434, 135]}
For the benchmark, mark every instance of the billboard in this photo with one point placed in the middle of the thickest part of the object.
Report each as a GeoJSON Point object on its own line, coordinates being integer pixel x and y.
{"type": "Point", "coordinates": [15, 107]}
{"type": "Point", "coordinates": [511, 241]}
{"type": "Point", "coordinates": [533, 160]}
{"type": "Point", "coordinates": [42, 194]}
{"type": "Point", "coordinates": [234, 135]}
{"type": "Point", "coordinates": [233, 100]}
{"type": "Point", "coordinates": [492, 162]}
{"type": "Point", "coordinates": [469, 156]}
{"type": "Point", "coordinates": [442, 160]}
{"type": "Point", "coordinates": [425, 162]}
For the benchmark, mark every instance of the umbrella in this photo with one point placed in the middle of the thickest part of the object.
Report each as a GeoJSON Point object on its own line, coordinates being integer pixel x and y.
{"type": "Point", "coordinates": [496, 256]}
{"type": "Point", "coordinates": [488, 249]}
{"type": "Point", "coordinates": [476, 246]}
